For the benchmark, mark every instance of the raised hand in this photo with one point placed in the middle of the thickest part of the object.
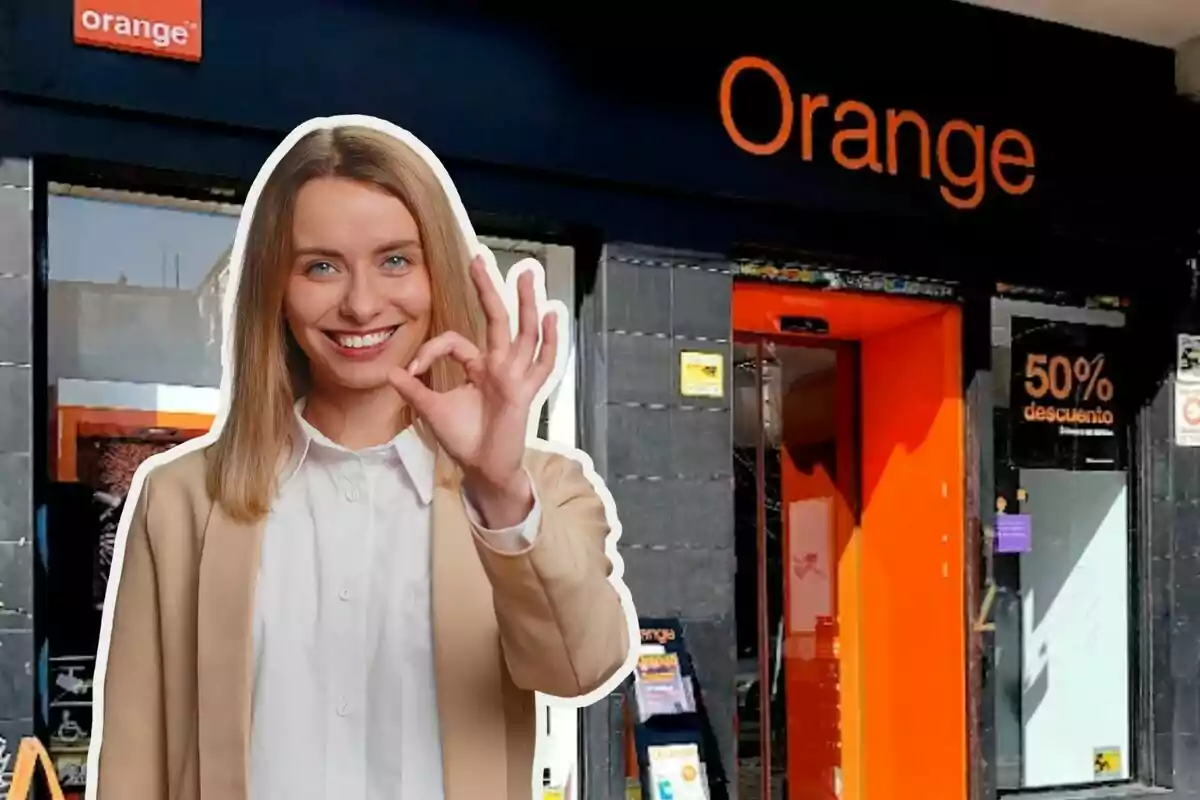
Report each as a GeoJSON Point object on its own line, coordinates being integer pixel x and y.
{"type": "Point", "coordinates": [482, 424]}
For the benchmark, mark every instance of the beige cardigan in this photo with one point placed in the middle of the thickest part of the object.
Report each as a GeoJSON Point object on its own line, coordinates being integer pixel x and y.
{"type": "Point", "coordinates": [176, 696]}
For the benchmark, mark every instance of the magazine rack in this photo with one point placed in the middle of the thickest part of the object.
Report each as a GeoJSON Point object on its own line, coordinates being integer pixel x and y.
{"type": "Point", "coordinates": [682, 727]}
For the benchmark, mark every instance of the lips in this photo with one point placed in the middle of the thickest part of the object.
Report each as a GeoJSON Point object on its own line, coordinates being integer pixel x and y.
{"type": "Point", "coordinates": [361, 341]}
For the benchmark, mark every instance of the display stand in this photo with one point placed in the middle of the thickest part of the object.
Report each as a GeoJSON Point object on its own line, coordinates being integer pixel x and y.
{"type": "Point", "coordinates": [666, 717]}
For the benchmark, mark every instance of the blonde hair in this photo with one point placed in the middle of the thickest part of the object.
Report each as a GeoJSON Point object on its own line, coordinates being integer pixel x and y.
{"type": "Point", "coordinates": [269, 370]}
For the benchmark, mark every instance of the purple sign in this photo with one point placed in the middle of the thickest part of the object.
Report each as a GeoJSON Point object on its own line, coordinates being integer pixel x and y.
{"type": "Point", "coordinates": [1014, 533]}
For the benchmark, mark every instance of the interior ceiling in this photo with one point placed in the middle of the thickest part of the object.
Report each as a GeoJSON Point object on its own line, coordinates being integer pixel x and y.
{"type": "Point", "coordinates": [1168, 23]}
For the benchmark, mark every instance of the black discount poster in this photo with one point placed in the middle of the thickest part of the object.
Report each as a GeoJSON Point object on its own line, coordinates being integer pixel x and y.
{"type": "Point", "coordinates": [1065, 392]}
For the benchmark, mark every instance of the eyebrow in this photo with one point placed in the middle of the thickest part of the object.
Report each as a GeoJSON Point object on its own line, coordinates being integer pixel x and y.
{"type": "Point", "coordinates": [398, 244]}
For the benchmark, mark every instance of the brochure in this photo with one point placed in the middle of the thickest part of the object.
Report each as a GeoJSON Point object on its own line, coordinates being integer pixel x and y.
{"type": "Point", "coordinates": [660, 686]}
{"type": "Point", "coordinates": [676, 773]}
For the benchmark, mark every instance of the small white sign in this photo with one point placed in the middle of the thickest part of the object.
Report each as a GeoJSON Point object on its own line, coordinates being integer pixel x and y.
{"type": "Point", "coordinates": [1187, 363]}
{"type": "Point", "coordinates": [1187, 415]}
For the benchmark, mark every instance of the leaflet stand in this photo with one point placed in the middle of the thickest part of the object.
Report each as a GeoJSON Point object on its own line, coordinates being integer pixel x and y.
{"type": "Point", "coordinates": [692, 727]}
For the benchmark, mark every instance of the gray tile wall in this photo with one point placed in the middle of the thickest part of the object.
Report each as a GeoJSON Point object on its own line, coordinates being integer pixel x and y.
{"type": "Point", "coordinates": [16, 442]}
{"type": "Point", "coordinates": [1175, 601]}
{"type": "Point", "coordinates": [668, 462]}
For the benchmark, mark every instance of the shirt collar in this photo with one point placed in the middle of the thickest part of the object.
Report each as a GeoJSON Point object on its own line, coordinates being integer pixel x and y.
{"type": "Point", "coordinates": [416, 456]}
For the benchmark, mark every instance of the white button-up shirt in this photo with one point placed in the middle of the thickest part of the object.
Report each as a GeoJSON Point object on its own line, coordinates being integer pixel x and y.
{"type": "Point", "coordinates": [344, 704]}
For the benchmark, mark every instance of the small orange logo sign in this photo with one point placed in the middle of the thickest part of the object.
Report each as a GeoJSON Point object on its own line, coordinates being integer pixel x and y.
{"type": "Point", "coordinates": [162, 28]}
{"type": "Point", "coordinates": [1191, 410]}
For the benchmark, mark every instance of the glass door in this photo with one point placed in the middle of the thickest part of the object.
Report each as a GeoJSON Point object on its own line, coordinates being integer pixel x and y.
{"type": "Point", "coordinates": [796, 470]}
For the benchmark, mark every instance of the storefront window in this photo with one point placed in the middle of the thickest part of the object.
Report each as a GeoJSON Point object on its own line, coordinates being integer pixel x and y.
{"type": "Point", "coordinates": [1060, 558]}
{"type": "Point", "coordinates": [133, 365]}
{"type": "Point", "coordinates": [132, 280]}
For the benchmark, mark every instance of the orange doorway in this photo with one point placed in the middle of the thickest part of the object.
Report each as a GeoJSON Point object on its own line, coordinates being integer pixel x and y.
{"type": "Point", "coordinates": [849, 407]}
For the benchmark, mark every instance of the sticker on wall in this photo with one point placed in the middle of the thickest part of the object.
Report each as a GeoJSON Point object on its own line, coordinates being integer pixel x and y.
{"type": "Point", "coordinates": [1187, 415]}
{"type": "Point", "coordinates": [72, 770]}
{"type": "Point", "coordinates": [1187, 369]}
{"type": "Point", "coordinates": [1014, 533]}
{"type": "Point", "coordinates": [701, 374]}
{"type": "Point", "coordinates": [1106, 763]}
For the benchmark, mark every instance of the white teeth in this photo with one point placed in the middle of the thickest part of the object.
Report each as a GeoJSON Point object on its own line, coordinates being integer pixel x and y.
{"type": "Point", "coordinates": [370, 340]}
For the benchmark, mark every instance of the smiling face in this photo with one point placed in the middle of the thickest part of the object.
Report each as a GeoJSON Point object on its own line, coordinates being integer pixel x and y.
{"type": "Point", "coordinates": [358, 299]}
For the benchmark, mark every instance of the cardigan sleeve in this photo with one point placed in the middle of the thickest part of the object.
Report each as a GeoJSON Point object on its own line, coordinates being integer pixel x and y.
{"type": "Point", "coordinates": [563, 628]}
{"type": "Point", "coordinates": [132, 758]}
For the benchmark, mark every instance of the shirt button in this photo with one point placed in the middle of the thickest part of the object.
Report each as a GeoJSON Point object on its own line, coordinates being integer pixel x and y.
{"type": "Point", "coordinates": [344, 594]}
{"type": "Point", "coordinates": [352, 493]}
{"type": "Point", "coordinates": [343, 709]}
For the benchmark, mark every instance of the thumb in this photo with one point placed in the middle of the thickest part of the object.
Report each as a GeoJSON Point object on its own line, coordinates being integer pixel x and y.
{"type": "Point", "coordinates": [412, 389]}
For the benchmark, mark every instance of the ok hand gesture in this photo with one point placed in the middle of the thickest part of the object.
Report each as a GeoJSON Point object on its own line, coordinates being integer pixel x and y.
{"type": "Point", "coordinates": [482, 424]}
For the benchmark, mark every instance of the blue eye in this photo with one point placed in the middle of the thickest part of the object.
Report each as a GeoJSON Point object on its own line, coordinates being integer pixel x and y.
{"type": "Point", "coordinates": [320, 268]}
{"type": "Point", "coordinates": [396, 262]}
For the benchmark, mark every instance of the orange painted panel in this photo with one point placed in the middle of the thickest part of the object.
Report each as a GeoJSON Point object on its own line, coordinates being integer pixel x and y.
{"type": "Point", "coordinates": [73, 422]}
{"type": "Point", "coordinates": [758, 307]}
{"type": "Point", "coordinates": [820, 582]}
{"type": "Point", "coordinates": [850, 652]}
{"type": "Point", "coordinates": [911, 542]}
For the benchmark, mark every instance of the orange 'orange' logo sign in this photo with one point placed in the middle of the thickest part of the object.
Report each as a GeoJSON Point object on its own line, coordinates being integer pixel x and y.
{"type": "Point", "coordinates": [163, 28]}
{"type": "Point", "coordinates": [1010, 155]}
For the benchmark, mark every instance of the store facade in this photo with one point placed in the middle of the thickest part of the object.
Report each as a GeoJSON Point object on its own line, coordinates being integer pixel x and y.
{"type": "Point", "coordinates": [901, 251]}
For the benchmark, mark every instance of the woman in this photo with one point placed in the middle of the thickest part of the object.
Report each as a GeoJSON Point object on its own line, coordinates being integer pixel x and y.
{"type": "Point", "coordinates": [356, 588]}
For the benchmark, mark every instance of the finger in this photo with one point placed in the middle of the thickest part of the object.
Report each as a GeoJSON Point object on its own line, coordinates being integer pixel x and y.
{"type": "Point", "coordinates": [413, 390]}
{"type": "Point", "coordinates": [450, 343]}
{"type": "Point", "coordinates": [548, 356]}
{"type": "Point", "coordinates": [527, 319]}
{"type": "Point", "coordinates": [498, 333]}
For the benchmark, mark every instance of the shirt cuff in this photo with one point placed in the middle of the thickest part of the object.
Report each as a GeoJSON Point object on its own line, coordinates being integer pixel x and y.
{"type": "Point", "coordinates": [514, 540]}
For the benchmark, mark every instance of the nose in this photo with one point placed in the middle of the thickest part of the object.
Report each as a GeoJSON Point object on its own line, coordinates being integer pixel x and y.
{"type": "Point", "coordinates": [362, 300]}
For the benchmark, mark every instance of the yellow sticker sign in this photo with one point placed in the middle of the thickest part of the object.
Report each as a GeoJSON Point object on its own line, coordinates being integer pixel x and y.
{"type": "Point", "coordinates": [1106, 763]}
{"type": "Point", "coordinates": [701, 374]}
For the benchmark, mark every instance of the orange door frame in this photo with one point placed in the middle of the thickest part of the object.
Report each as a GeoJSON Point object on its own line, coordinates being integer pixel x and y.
{"type": "Point", "coordinates": [900, 597]}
